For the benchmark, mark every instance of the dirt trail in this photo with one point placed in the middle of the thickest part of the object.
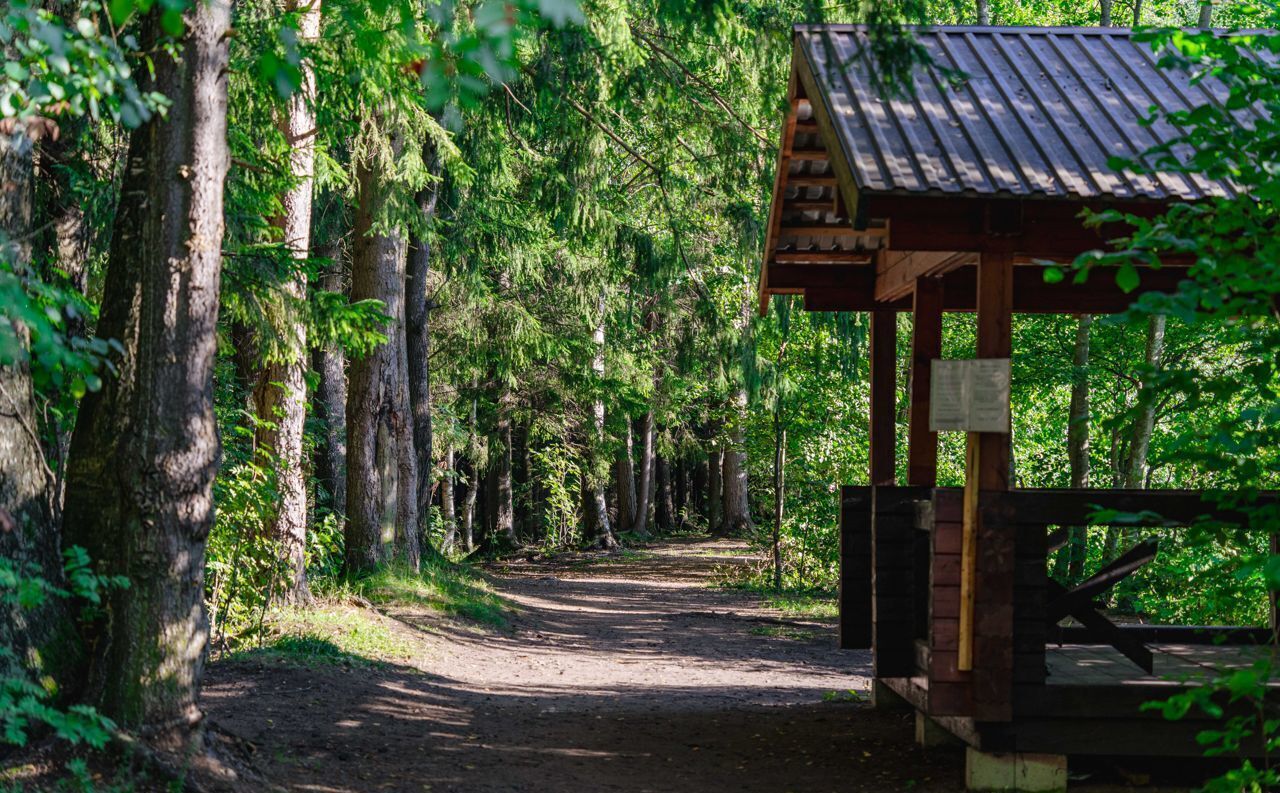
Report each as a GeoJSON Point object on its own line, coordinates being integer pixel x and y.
{"type": "Point", "coordinates": [632, 675]}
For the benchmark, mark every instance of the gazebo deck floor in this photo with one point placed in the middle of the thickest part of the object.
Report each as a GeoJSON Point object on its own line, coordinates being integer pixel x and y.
{"type": "Point", "coordinates": [1175, 664]}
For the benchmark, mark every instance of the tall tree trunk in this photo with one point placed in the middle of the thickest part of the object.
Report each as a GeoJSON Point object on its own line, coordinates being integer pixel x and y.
{"type": "Point", "coordinates": [984, 12]}
{"type": "Point", "coordinates": [1206, 15]}
{"type": "Point", "coordinates": [1144, 422]}
{"type": "Point", "coordinates": [1078, 442]}
{"type": "Point", "coordinates": [504, 505]}
{"type": "Point", "coordinates": [665, 502]}
{"type": "Point", "coordinates": [39, 637]}
{"type": "Point", "coordinates": [640, 527]}
{"type": "Point", "coordinates": [330, 363]}
{"type": "Point", "coordinates": [418, 310]}
{"type": "Point", "coordinates": [624, 476]}
{"type": "Point", "coordinates": [60, 157]}
{"type": "Point", "coordinates": [737, 509]}
{"type": "Point", "coordinates": [715, 492]}
{"type": "Point", "coordinates": [381, 463]}
{"type": "Point", "coordinates": [697, 486]}
{"type": "Point", "coordinates": [779, 478]}
{"type": "Point", "coordinates": [280, 395]}
{"type": "Point", "coordinates": [473, 483]}
{"type": "Point", "coordinates": [448, 509]}
{"type": "Point", "coordinates": [598, 474]}
{"type": "Point", "coordinates": [145, 449]}
{"type": "Point", "coordinates": [1104, 18]}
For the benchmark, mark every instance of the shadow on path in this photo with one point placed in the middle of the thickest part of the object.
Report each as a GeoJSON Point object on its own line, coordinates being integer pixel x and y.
{"type": "Point", "coordinates": [616, 675]}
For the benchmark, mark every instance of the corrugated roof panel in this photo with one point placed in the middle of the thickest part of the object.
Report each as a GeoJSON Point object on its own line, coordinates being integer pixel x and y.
{"type": "Point", "coordinates": [1042, 112]}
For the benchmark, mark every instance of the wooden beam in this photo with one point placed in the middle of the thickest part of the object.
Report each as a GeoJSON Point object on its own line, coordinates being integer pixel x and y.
{"type": "Point", "coordinates": [1031, 295]}
{"type": "Point", "coordinates": [926, 345]}
{"type": "Point", "coordinates": [831, 257]}
{"type": "Point", "coordinates": [840, 159]}
{"type": "Point", "coordinates": [898, 271]}
{"type": "Point", "coordinates": [1045, 228]}
{"type": "Point", "coordinates": [810, 154]}
{"type": "Point", "coordinates": [832, 229]}
{"type": "Point", "coordinates": [779, 193]}
{"type": "Point", "coordinates": [987, 559]}
{"type": "Point", "coordinates": [804, 180]}
{"type": "Point", "coordinates": [884, 366]}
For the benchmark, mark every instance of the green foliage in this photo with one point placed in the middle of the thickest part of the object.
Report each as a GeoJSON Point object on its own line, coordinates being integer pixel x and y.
{"type": "Point", "coordinates": [25, 700]}
{"type": "Point", "coordinates": [68, 68]}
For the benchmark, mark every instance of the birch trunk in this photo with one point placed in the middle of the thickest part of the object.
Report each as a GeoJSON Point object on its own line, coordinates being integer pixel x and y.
{"type": "Point", "coordinates": [599, 468]}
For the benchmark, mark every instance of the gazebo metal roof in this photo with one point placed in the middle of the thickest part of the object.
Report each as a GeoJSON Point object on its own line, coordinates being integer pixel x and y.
{"type": "Point", "coordinates": [1040, 112]}
{"type": "Point", "coordinates": [1001, 143]}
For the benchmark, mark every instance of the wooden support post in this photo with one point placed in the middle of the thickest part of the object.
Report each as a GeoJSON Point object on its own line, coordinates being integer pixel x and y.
{"type": "Point", "coordinates": [926, 345]}
{"type": "Point", "coordinates": [884, 356]}
{"type": "Point", "coordinates": [987, 453]}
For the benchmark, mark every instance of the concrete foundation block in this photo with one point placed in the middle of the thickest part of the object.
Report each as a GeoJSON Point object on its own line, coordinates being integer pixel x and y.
{"type": "Point", "coordinates": [930, 734]}
{"type": "Point", "coordinates": [1025, 773]}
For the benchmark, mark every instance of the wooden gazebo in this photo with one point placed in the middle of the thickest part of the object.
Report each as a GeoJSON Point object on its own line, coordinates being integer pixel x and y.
{"type": "Point", "coordinates": [949, 199]}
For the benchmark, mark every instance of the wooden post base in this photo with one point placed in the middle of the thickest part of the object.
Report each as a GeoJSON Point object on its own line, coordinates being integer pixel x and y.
{"type": "Point", "coordinates": [930, 733]}
{"type": "Point", "coordinates": [885, 698]}
{"type": "Point", "coordinates": [1025, 773]}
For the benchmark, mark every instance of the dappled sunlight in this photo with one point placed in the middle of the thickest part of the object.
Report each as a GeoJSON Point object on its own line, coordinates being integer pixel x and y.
{"type": "Point", "coordinates": [606, 665]}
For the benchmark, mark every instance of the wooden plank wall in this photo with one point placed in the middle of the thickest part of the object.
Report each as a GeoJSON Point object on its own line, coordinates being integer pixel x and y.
{"type": "Point", "coordinates": [894, 579]}
{"type": "Point", "coordinates": [949, 688]}
{"type": "Point", "coordinates": [855, 568]}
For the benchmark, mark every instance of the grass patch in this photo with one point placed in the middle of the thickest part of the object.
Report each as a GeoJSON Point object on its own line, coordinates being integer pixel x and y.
{"type": "Point", "coordinates": [780, 632]}
{"type": "Point", "coordinates": [447, 588]}
{"type": "Point", "coordinates": [814, 605]}
{"type": "Point", "coordinates": [328, 634]}
{"type": "Point", "coordinates": [623, 556]}
{"type": "Point", "coordinates": [819, 604]}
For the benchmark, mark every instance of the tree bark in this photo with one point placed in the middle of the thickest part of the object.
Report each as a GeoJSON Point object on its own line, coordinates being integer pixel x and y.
{"type": "Point", "coordinates": [715, 492]}
{"type": "Point", "coordinates": [1144, 423]}
{"type": "Point", "coordinates": [1206, 15]}
{"type": "Point", "coordinates": [28, 531]}
{"type": "Point", "coordinates": [473, 483]}
{"type": "Point", "coordinates": [145, 449]}
{"type": "Point", "coordinates": [280, 394]}
{"type": "Point", "coordinates": [665, 503]}
{"type": "Point", "coordinates": [1104, 18]}
{"type": "Point", "coordinates": [598, 474]}
{"type": "Point", "coordinates": [330, 363]}
{"type": "Point", "coordinates": [381, 462]}
{"type": "Point", "coordinates": [624, 476]}
{"type": "Point", "coordinates": [504, 505]}
{"type": "Point", "coordinates": [737, 509]}
{"type": "Point", "coordinates": [448, 508]}
{"type": "Point", "coordinates": [640, 527]}
{"type": "Point", "coordinates": [779, 478]}
{"type": "Point", "coordinates": [984, 12]}
{"type": "Point", "coordinates": [1078, 442]}
{"type": "Point", "coordinates": [419, 306]}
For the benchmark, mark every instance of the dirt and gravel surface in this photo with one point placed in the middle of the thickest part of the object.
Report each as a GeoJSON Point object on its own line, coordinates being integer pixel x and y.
{"type": "Point", "coordinates": [618, 673]}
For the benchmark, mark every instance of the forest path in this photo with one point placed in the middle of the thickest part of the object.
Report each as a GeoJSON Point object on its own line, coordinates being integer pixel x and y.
{"type": "Point", "coordinates": [620, 672]}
